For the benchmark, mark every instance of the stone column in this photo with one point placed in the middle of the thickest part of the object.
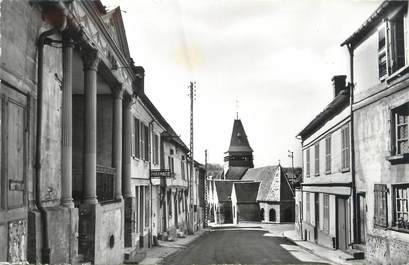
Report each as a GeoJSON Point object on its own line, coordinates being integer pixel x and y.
{"type": "Point", "coordinates": [66, 156]}
{"type": "Point", "coordinates": [91, 60]}
{"type": "Point", "coordinates": [129, 199]}
{"type": "Point", "coordinates": [117, 141]}
{"type": "Point", "coordinates": [127, 146]}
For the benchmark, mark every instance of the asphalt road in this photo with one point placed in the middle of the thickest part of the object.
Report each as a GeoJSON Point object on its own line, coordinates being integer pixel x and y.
{"type": "Point", "coordinates": [236, 247]}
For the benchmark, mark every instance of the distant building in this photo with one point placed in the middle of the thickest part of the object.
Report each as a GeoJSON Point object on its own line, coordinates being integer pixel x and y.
{"type": "Point", "coordinates": [239, 156]}
{"type": "Point", "coordinates": [222, 201]}
{"type": "Point", "coordinates": [275, 196]}
{"type": "Point", "coordinates": [244, 201]}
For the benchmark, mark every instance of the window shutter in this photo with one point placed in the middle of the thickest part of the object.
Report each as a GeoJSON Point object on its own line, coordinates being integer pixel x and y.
{"type": "Point", "coordinates": [133, 136]}
{"type": "Point", "coordinates": [147, 144]}
{"type": "Point", "coordinates": [389, 51]}
{"type": "Point", "coordinates": [392, 132]}
{"type": "Point", "coordinates": [136, 139]}
{"type": "Point", "coordinates": [142, 140]}
{"type": "Point", "coordinates": [381, 206]}
{"type": "Point", "coordinates": [405, 26]}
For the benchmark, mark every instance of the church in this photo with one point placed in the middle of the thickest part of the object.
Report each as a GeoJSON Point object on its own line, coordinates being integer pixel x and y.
{"type": "Point", "coordinates": [245, 193]}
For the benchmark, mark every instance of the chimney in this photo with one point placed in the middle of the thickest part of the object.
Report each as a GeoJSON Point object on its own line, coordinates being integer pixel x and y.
{"type": "Point", "coordinates": [139, 83]}
{"type": "Point", "coordinates": [338, 83]}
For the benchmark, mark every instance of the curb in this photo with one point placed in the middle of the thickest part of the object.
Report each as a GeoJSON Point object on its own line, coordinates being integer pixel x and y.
{"type": "Point", "coordinates": [160, 262]}
{"type": "Point", "coordinates": [310, 251]}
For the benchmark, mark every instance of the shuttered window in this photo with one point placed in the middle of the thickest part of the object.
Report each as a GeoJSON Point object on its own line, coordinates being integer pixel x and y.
{"type": "Point", "coordinates": [307, 162]}
{"type": "Point", "coordinates": [402, 134]}
{"type": "Point", "coordinates": [345, 148]}
{"type": "Point", "coordinates": [401, 207]}
{"type": "Point", "coordinates": [328, 155]}
{"type": "Point", "coordinates": [307, 208]}
{"type": "Point", "coordinates": [381, 206]}
{"type": "Point", "coordinates": [156, 149]}
{"type": "Point", "coordinates": [392, 46]}
{"type": "Point", "coordinates": [397, 43]}
{"type": "Point", "coordinates": [146, 143]}
{"type": "Point", "coordinates": [142, 141]}
{"type": "Point", "coordinates": [182, 169]}
{"type": "Point", "coordinates": [137, 151]}
{"type": "Point", "coordinates": [382, 62]}
{"type": "Point", "coordinates": [317, 159]}
{"type": "Point", "coordinates": [325, 213]}
{"type": "Point", "coordinates": [133, 137]}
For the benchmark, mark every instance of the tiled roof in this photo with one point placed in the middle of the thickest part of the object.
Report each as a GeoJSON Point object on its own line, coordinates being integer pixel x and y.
{"type": "Point", "coordinates": [235, 173]}
{"type": "Point", "coordinates": [266, 176]}
{"type": "Point", "coordinates": [223, 189]}
{"type": "Point", "coordinates": [239, 141]}
{"type": "Point", "coordinates": [246, 191]}
{"type": "Point", "coordinates": [339, 103]}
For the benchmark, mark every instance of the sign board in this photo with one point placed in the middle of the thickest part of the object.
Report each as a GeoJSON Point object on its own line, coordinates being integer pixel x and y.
{"type": "Point", "coordinates": [161, 173]}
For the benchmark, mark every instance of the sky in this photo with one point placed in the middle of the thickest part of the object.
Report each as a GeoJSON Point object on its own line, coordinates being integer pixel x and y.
{"type": "Point", "coordinates": [269, 60]}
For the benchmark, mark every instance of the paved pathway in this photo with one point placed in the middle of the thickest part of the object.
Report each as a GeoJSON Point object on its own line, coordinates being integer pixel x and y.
{"type": "Point", "coordinates": [249, 245]}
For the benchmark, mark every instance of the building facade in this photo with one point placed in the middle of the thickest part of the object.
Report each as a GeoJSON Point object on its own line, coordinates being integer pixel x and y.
{"type": "Point", "coordinates": [326, 188]}
{"type": "Point", "coordinates": [244, 202]}
{"type": "Point", "coordinates": [379, 67]}
{"type": "Point", "coordinates": [176, 190]}
{"type": "Point", "coordinates": [275, 196]}
{"type": "Point", "coordinates": [79, 139]}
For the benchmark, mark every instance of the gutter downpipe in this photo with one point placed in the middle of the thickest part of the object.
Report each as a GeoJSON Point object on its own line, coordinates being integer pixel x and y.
{"type": "Point", "coordinates": [301, 214]}
{"type": "Point", "coordinates": [152, 242]}
{"type": "Point", "coordinates": [45, 251]}
{"type": "Point", "coordinates": [353, 176]}
{"type": "Point", "coordinates": [41, 42]}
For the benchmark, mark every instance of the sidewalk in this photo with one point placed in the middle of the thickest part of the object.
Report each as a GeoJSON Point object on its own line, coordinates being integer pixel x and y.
{"type": "Point", "coordinates": [337, 257]}
{"type": "Point", "coordinates": [155, 255]}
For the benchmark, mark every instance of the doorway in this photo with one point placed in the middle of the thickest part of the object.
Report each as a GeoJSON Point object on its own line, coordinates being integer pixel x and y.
{"type": "Point", "coordinates": [317, 215]}
{"type": "Point", "coordinates": [272, 215]}
{"type": "Point", "coordinates": [361, 218]}
{"type": "Point", "coordinates": [342, 223]}
{"type": "Point", "coordinates": [13, 186]}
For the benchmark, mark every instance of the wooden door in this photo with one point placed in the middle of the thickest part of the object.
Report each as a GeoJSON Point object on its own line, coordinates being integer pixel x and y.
{"type": "Point", "coordinates": [317, 215]}
{"type": "Point", "coordinates": [342, 236]}
{"type": "Point", "coordinates": [13, 195]}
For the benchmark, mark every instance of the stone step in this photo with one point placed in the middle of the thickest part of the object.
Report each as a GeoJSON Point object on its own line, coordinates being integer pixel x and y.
{"type": "Point", "coordinates": [134, 256]}
{"type": "Point", "coordinates": [356, 253]}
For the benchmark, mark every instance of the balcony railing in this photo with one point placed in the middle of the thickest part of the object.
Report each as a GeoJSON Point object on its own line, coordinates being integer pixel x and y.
{"type": "Point", "coordinates": [105, 184]}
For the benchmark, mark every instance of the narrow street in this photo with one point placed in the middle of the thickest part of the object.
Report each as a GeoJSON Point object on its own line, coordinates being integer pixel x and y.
{"type": "Point", "coordinates": [242, 246]}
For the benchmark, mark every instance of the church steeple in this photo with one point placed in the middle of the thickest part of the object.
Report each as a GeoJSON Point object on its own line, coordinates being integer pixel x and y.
{"type": "Point", "coordinates": [238, 140]}
{"type": "Point", "coordinates": [239, 156]}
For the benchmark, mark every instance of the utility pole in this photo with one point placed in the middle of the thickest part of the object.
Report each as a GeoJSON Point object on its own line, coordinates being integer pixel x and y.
{"type": "Point", "coordinates": [192, 95]}
{"type": "Point", "coordinates": [291, 155]}
{"type": "Point", "coordinates": [205, 217]}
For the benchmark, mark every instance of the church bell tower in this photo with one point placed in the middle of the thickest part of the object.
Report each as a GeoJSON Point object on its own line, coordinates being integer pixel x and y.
{"type": "Point", "coordinates": [239, 156]}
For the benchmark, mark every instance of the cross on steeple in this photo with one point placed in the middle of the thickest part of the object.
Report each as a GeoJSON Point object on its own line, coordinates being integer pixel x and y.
{"type": "Point", "coordinates": [237, 109]}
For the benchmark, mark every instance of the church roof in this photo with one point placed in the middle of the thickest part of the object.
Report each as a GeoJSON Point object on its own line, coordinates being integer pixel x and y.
{"type": "Point", "coordinates": [268, 178]}
{"type": "Point", "coordinates": [235, 173]}
{"type": "Point", "coordinates": [239, 141]}
{"type": "Point", "coordinates": [246, 191]}
{"type": "Point", "coordinates": [223, 189]}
